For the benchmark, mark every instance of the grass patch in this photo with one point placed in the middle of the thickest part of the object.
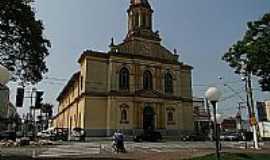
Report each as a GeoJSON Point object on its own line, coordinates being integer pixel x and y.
{"type": "Point", "coordinates": [235, 156]}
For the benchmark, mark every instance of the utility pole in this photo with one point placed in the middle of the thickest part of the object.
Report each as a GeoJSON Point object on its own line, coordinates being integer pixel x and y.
{"type": "Point", "coordinates": [251, 108]}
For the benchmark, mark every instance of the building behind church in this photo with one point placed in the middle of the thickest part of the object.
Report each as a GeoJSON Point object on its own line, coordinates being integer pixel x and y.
{"type": "Point", "coordinates": [137, 85]}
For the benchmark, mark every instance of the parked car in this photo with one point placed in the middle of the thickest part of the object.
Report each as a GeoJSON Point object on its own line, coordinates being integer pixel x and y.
{"type": "Point", "coordinates": [78, 134]}
{"type": "Point", "coordinates": [44, 134]}
{"type": "Point", "coordinates": [59, 134]}
{"type": "Point", "coordinates": [231, 136]}
{"type": "Point", "coordinates": [151, 136]}
{"type": "Point", "coordinates": [8, 135]}
{"type": "Point", "coordinates": [194, 137]}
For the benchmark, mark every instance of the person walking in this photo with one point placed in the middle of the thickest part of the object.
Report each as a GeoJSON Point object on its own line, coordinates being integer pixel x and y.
{"type": "Point", "coordinates": [118, 142]}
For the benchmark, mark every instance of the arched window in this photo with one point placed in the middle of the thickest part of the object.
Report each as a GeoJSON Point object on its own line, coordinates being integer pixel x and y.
{"type": "Point", "coordinates": [81, 82]}
{"type": "Point", "coordinates": [170, 116]}
{"type": "Point", "coordinates": [168, 83]}
{"type": "Point", "coordinates": [136, 19]}
{"type": "Point", "coordinates": [147, 80]}
{"type": "Point", "coordinates": [143, 20]}
{"type": "Point", "coordinates": [123, 115]}
{"type": "Point", "coordinates": [124, 78]}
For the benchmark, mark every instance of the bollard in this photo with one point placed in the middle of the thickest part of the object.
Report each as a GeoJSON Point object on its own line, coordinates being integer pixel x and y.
{"type": "Point", "coordinates": [100, 148]}
{"type": "Point", "coordinates": [34, 154]}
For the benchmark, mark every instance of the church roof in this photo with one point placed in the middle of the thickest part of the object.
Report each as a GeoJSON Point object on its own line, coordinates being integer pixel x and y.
{"type": "Point", "coordinates": [126, 53]}
{"type": "Point", "coordinates": [92, 53]}
{"type": "Point", "coordinates": [75, 77]}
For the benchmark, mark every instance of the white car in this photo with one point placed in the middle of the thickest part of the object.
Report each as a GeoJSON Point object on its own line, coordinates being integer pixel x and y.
{"type": "Point", "coordinates": [44, 134]}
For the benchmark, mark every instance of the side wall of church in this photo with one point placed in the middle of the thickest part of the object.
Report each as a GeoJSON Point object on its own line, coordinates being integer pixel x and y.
{"type": "Point", "coordinates": [72, 117]}
{"type": "Point", "coordinates": [96, 75]}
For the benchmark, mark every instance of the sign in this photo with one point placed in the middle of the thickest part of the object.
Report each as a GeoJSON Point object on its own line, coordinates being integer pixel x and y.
{"type": "Point", "coordinates": [253, 121]}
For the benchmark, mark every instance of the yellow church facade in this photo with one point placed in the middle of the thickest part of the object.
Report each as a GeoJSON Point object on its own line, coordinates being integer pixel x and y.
{"type": "Point", "coordinates": [137, 85]}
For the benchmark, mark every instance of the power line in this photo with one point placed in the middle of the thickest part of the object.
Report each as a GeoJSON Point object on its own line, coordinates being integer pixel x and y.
{"type": "Point", "coordinates": [55, 78]}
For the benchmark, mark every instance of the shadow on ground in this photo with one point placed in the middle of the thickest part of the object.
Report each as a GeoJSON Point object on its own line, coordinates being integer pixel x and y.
{"type": "Point", "coordinates": [30, 158]}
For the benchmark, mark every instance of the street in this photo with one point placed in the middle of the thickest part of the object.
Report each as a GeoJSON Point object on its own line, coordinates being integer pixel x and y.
{"type": "Point", "coordinates": [135, 150]}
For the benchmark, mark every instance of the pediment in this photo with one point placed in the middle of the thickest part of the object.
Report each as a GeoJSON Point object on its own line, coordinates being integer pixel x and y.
{"type": "Point", "coordinates": [147, 48]}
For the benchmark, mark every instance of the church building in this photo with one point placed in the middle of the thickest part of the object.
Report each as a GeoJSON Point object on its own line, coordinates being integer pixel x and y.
{"type": "Point", "coordinates": [136, 86]}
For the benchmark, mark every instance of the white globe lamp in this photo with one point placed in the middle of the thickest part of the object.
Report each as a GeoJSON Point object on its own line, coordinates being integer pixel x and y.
{"type": "Point", "coordinates": [213, 95]}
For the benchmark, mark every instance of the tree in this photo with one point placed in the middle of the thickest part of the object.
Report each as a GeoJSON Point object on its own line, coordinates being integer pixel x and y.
{"type": "Point", "coordinates": [23, 48]}
{"type": "Point", "coordinates": [251, 55]}
{"type": "Point", "coordinates": [47, 109]}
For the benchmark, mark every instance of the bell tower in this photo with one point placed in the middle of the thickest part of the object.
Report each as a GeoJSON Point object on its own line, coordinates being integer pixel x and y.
{"type": "Point", "coordinates": [140, 20]}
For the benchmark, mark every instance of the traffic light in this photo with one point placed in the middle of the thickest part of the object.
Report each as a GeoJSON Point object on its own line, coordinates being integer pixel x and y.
{"type": "Point", "coordinates": [39, 99]}
{"type": "Point", "coordinates": [19, 97]}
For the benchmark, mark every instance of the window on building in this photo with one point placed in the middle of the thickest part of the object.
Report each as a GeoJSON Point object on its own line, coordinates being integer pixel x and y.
{"type": "Point", "coordinates": [81, 82]}
{"type": "Point", "coordinates": [168, 83]}
{"type": "Point", "coordinates": [75, 120]}
{"type": "Point", "coordinates": [124, 115]}
{"type": "Point", "coordinates": [79, 120]}
{"type": "Point", "coordinates": [170, 116]}
{"type": "Point", "coordinates": [72, 91]}
{"type": "Point", "coordinates": [70, 123]}
{"type": "Point", "coordinates": [147, 80]}
{"type": "Point", "coordinates": [143, 20]}
{"type": "Point", "coordinates": [124, 79]}
{"type": "Point", "coordinates": [136, 19]}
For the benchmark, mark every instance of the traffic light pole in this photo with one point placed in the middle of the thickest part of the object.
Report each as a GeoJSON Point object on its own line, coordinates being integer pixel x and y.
{"type": "Point", "coordinates": [32, 117]}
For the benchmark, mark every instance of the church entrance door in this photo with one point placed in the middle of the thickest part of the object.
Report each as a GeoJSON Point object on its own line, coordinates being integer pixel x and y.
{"type": "Point", "coordinates": [148, 119]}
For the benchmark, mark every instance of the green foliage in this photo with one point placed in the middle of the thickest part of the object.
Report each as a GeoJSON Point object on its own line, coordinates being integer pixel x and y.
{"type": "Point", "coordinates": [252, 53]}
{"type": "Point", "coordinates": [47, 109]}
{"type": "Point", "coordinates": [22, 47]}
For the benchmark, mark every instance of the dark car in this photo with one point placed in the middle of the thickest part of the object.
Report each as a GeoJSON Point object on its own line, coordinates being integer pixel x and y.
{"type": "Point", "coordinates": [78, 134]}
{"type": "Point", "coordinates": [194, 137]}
{"type": "Point", "coordinates": [8, 135]}
{"type": "Point", "coordinates": [59, 134]}
{"type": "Point", "coordinates": [152, 136]}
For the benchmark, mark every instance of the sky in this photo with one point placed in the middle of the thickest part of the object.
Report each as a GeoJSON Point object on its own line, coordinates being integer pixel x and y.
{"type": "Point", "coordinates": [201, 31]}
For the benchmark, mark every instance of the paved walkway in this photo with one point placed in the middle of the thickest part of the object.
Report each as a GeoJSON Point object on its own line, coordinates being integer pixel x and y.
{"type": "Point", "coordinates": [70, 150]}
{"type": "Point", "coordinates": [104, 149]}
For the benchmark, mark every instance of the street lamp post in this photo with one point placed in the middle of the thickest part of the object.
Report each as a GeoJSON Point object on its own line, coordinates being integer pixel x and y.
{"type": "Point", "coordinates": [213, 95]}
